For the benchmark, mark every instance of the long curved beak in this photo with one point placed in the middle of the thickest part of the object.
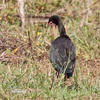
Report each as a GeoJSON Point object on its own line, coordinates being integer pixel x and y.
{"type": "Point", "coordinates": [52, 24]}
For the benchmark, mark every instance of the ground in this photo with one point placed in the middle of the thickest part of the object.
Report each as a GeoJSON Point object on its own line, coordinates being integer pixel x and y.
{"type": "Point", "coordinates": [25, 70]}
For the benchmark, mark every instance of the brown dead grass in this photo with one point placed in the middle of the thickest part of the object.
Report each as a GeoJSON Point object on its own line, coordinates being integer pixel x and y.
{"type": "Point", "coordinates": [22, 49]}
{"type": "Point", "coordinates": [93, 65]}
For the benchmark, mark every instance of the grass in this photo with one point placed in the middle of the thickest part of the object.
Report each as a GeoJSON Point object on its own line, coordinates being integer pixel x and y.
{"type": "Point", "coordinates": [25, 69]}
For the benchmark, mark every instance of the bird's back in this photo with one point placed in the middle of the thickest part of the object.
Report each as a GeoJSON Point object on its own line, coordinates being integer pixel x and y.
{"type": "Point", "coordinates": [59, 52]}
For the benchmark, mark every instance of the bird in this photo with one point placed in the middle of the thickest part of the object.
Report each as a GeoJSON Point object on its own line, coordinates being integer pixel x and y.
{"type": "Point", "coordinates": [62, 50]}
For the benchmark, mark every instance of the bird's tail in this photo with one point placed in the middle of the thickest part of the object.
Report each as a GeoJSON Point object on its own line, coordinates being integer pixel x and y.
{"type": "Point", "coordinates": [71, 63]}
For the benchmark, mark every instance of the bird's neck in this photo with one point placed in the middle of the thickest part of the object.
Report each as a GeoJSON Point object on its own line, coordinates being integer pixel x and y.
{"type": "Point", "coordinates": [61, 29]}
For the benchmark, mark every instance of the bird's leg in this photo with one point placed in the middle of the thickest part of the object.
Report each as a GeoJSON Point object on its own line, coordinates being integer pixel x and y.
{"type": "Point", "coordinates": [65, 78]}
{"type": "Point", "coordinates": [53, 80]}
{"type": "Point", "coordinates": [57, 74]}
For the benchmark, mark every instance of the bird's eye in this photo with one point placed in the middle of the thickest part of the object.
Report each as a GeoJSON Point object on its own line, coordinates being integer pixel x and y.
{"type": "Point", "coordinates": [50, 22]}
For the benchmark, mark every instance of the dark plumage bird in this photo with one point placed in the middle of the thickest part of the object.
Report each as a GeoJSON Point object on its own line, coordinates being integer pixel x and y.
{"type": "Point", "coordinates": [62, 50]}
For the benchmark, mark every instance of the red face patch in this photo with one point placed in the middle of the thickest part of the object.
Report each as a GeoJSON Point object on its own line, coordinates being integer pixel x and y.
{"type": "Point", "coordinates": [52, 24]}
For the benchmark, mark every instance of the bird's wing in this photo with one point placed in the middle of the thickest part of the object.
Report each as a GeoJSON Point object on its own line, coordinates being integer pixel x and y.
{"type": "Point", "coordinates": [71, 63]}
{"type": "Point", "coordinates": [58, 57]}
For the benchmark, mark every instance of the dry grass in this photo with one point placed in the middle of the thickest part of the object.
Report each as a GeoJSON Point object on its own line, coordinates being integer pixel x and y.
{"type": "Point", "coordinates": [25, 69]}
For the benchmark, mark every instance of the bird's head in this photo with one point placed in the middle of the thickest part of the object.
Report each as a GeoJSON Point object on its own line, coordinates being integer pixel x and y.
{"type": "Point", "coordinates": [54, 20]}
